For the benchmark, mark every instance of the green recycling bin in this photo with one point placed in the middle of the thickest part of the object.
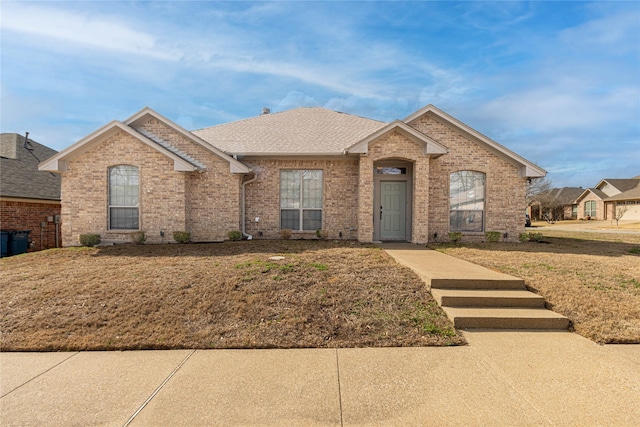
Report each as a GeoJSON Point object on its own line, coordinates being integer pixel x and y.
{"type": "Point", "coordinates": [18, 241]}
{"type": "Point", "coordinates": [5, 244]}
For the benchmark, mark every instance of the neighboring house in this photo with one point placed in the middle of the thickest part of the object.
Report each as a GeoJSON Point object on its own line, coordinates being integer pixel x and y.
{"type": "Point", "coordinates": [602, 201]}
{"type": "Point", "coordinates": [29, 198]}
{"type": "Point", "coordinates": [305, 169]}
{"type": "Point", "coordinates": [558, 202]}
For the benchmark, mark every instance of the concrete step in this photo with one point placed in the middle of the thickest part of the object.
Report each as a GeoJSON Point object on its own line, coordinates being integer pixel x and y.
{"type": "Point", "coordinates": [505, 318]}
{"type": "Point", "coordinates": [441, 283]}
{"type": "Point", "coordinates": [487, 298]}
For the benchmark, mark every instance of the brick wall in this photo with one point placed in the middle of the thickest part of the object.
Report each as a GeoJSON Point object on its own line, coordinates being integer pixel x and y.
{"type": "Point", "coordinates": [340, 199]}
{"type": "Point", "coordinates": [213, 196]}
{"type": "Point", "coordinates": [85, 191]}
{"type": "Point", "coordinates": [395, 146]}
{"type": "Point", "coordinates": [600, 210]}
{"type": "Point", "coordinates": [206, 203]}
{"type": "Point", "coordinates": [505, 190]}
{"type": "Point", "coordinates": [18, 215]}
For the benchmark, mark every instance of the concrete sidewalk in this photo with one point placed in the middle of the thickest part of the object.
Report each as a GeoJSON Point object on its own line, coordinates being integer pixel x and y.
{"type": "Point", "coordinates": [500, 378]}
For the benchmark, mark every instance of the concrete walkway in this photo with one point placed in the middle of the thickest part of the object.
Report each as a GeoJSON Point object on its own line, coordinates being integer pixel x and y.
{"type": "Point", "coordinates": [501, 378]}
{"type": "Point", "coordinates": [476, 297]}
{"type": "Point", "coordinates": [433, 266]}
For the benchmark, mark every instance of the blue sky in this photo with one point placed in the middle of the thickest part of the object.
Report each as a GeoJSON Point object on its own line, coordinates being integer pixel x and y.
{"type": "Point", "coordinates": [556, 82]}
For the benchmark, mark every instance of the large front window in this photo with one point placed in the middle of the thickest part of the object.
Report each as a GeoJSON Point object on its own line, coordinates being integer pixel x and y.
{"type": "Point", "coordinates": [590, 209]}
{"type": "Point", "coordinates": [123, 198]}
{"type": "Point", "coordinates": [301, 199]}
{"type": "Point", "coordinates": [466, 201]}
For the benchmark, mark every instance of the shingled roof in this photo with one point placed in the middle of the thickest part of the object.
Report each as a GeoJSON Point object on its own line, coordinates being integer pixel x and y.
{"type": "Point", "coordinates": [630, 190]}
{"type": "Point", "coordinates": [302, 131]}
{"type": "Point", "coordinates": [565, 195]}
{"type": "Point", "coordinates": [19, 175]}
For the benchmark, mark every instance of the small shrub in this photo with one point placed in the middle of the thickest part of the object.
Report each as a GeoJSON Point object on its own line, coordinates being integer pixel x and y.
{"type": "Point", "coordinates": [454, 237]}
{"type": "Point", "coordinates": [235, 235]}
{"type": "Point", "coordinates": [523, 237]}
{"type": "Point", "coordinates": [182, 236]}
{"type": "Point", "coordinates": [286, 233]}
{"type": "Point", "coordinates": [138, 237]}
{"type": "Point", "coordinates": [322, 234]}
{"type": "Point", "coordinates": [535, 237]}
{"type": "Point", "coordinates": [492, 236]}
{"type": "Point", "coordinates": [89, 239]}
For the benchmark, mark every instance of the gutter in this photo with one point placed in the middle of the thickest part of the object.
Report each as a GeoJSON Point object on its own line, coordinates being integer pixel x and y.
{"type": "Point", "coordinates": [244, 234]}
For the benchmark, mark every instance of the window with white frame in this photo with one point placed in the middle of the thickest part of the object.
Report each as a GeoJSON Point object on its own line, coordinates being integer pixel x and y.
{"type": "Point", "coordinates": [301, 199]}
{"type": "Point", "coordinates": [466, 201]}
{"type": "Point", "coordinates": [124, 183]}
{"type": "Point", "coordinates": [590, 208]}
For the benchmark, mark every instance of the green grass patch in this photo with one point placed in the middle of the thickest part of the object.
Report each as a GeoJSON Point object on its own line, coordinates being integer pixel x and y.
{"type": "Point", "coordinates": [319, 267]}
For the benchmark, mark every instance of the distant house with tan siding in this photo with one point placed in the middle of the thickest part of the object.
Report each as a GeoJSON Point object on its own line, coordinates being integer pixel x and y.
{"type": "Point", "coordinates": [602, 201]}
{"type": "Point", "coordinates": [415, 179]}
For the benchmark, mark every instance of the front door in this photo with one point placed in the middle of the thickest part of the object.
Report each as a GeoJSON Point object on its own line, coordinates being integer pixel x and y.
{"type": "Point", "coordinates": [393, 204]}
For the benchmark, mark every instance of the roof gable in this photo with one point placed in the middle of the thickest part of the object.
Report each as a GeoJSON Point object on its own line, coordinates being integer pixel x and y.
{"type": "Point", "coordinates": [599, 194]}
{"type": "Point", "coordinates": [527, 168]}
{"type": "Point", "coordinates": [629, 189]}
{"type": "Point", "coordinates": [301, 131]}
{"type": "Point", "coordinates": [429, 145]}
{"type": "Point", "coordinates": [631, 194]}
{"type": "Point", "coordinates": [59, 162]}
{"type": "Point", "coordinates": [147, 113]}
{"type": "Point", "coordinates": [619, 184]}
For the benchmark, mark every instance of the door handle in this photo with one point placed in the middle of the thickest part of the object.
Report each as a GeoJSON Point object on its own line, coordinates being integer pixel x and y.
{"type": "Point", "coordinates": [380, 212]}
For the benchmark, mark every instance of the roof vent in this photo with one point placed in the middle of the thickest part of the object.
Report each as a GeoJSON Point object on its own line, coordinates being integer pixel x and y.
{"type": "Point", "coordinates": [26, 144]}
{"type": "Point", "coordinates": [266, 110]}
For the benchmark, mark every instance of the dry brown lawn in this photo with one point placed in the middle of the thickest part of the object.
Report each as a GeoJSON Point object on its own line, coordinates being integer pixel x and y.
{"type": "Point", "coordinates": [592, 278]}
{"type": "Point", "coordinates": [225, 295]}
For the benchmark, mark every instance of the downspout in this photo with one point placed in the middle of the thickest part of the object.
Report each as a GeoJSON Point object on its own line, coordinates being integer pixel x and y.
{"type": "Point", "coordinates": [244, 234]}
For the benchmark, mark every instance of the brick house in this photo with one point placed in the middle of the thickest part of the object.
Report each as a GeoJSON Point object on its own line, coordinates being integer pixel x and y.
{"type": "Point", "coordinates": [29, 199]}
{"type": "Point", "coordinates": [601, 201]}
{"type": "Point", "coordinates": [305, 169]}
{"type": "Point", "coordinates": [557, 203]}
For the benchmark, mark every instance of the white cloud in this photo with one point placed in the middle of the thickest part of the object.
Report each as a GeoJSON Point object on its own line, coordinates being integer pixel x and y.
{"type": "Point", "coordinates": [96, 32]}
{"type": "Point", "coordinates": [618, 33]}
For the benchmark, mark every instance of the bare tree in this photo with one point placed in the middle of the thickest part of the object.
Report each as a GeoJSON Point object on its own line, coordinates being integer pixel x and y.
{"type": "Point", "coordinates": [539, 196]}
{"type": "Point", "coordinates": [537, 186]}
{"type": "Point", "coordinates": [619, 213]}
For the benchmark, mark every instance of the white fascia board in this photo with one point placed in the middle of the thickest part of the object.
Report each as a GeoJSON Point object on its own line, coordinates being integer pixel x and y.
{"type": "Point", "coordinates": [532, 171]}
{"type": "Point", "coordinates": [582, 195]}
{"type": "Point", "coordinates": [53, 165]}
{"type": "Point", "coordinates": [527, 168]}
{"type": "Point", "coordinates": [59, 162]}
{"type": "Point", "coordinates": [143, 115]}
